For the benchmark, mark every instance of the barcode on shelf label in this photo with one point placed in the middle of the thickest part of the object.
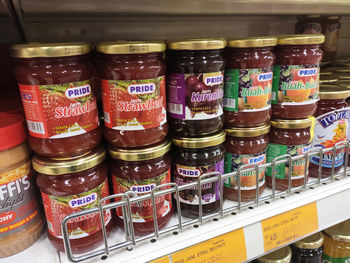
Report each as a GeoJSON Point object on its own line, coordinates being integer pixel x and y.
{"type": "Point", "coordinates": [229, 103]}
{"type": "Point", "coordinates": [36, 127]}
{"type": "Point", "coordinates": [175, 108]}
{"type": "Point", "coordinates": [106, 117]}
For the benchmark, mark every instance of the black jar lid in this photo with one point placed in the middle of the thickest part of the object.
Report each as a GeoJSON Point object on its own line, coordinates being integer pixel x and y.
{"type": "Point", "coordinates": [312, 242]}
{"type": "Point", "coordinates": [199, 142]}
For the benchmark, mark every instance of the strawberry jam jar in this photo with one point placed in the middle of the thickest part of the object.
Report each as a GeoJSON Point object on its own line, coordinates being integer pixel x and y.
{"type": "Point", "coordinates": [70, 185]}
{"type": "Point", "coordinates": [139, 171]}
{"type": "Point", "coordinates": [133, 92]}
{"type": "Point", "coordinates": [245, 146]}
{"type": "Point", "coordinates": [194, 157]}
{"type": "Point", "coordinates": [195, 86]}
{"type": "Point", "coordinates": [248, 81]}
{"type": "Point", "coordinates": [59, 103]}
{"type": "Point", "coordinates": [295, 88]}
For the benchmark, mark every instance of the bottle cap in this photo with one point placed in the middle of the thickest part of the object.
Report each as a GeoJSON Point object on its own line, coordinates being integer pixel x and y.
{"type": "Point", "coordinates": [12, 131]}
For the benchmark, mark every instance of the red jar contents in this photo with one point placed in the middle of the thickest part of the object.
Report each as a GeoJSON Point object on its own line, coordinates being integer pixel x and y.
{"type": "Point", "coordinates": [133, 92]}
{"type": "Point", "coordinates": [59, 103]}
{"type": "Point", "coordinates": [332, 124]}
{"type": "Point", "coordinates": [70, 185]}
{"type": "Point", "coordinates": [195, 86]}
{"type": "Point", "coordinates": [245, 146]}
{"type": "Point", "coordinates": [291, 137]}
{"type": "Point", "coordinates": [140, 170]}
{"type": "Point", "coordinates": [248, 81]}
{"type": "Point", "coordinates": [295, 88]}
{"type": "Point", "coordinates": [194, 157]}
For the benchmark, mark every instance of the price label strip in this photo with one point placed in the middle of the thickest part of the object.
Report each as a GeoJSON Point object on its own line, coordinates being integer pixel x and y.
{"type": "Point", "coordinates": [165, 259]}
{"type": "Point", "coordinates": [288, 226]}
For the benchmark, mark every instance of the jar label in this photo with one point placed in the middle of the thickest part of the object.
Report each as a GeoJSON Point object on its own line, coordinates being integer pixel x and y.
{"type": "Point", "coordinates": [18, 205]}
{"type": "Point", "coordinates": [298, 167]}
{"type": "Point", "coordinates": [248, 179]}
{"type": "Point", "coordinates": [331, 128]}
{"type": "Point", "coordinates": [134, 104]}
{"type": "Point", "coordinates": [188, 174]}
{"type": "Point", "coordinates": [295, 84]}
{"type": "Point", "coordinates": [143, 211]}
{"type": "Point", "coordinates": [195, 96]}
{"type": "Point", "coordinates": [58, 207]}
{"type": "Point", "coordinates": [248, 89]}
{"type": "Point", "coordinates": [328, 259]}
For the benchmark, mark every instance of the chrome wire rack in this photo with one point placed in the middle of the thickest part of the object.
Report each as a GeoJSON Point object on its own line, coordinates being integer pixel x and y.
{"type": "Point", "coordinates": [127, 199]}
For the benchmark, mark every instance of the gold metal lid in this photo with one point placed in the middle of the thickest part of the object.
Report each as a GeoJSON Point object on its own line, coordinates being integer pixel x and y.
{"type": "Point", "coordinates": [328, 81]}
{"type": "Point", "coordinates": [201, 142]}
{"type": "Point", "coordinates": [141, 154]}
{"type": "Point", "coordinates": [333, 17]}
{"type": "Point", "coordinates": [37, 50]}
{"type": "Point", "coordinates": [312, 242]}
{"type": "Point", "coordinates": [59, 166]}
{"type": "Point", "coordinates": [326, 73]}
{"type": "Point", "coordinates": [248, 132]}
{"type": "Point", "coordinates": [300, 39]}
{"type": "Point", "coordinates": [340, 232]}
{"type": "Point", "coordinates": [253, 42]}
{"type": "Point", "coordinates": [344, 83]}
{"type": "Point", "coordinates": [342, 70]}
{"type": "Point", "coordinates": [130, 47]}
{"type": "Point", "coordinates": [197, 44]}
{"type": "Point", "coordinates": [282, 255]}
{"type": "Point", "coordinates": [308, 16]}
{"type": "Point", "coordinates": [333, 92]}
{"type": "Point", "coordinates": [291, 124]}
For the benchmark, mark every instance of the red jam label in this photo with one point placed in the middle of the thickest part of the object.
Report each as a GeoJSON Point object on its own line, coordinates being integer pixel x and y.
{"type": "Point", "coordinates": [134, 104]}
{"type": "Point", "coordinates": [295, 84]}
{"type": "Point", "coordinates": [248, 89]}
{"type": "Point", "coordinates": [331, 128]}
{"type": "Point", "coordinates": [298, 167]}
{"type": "Point", "coordinates": [195, 96]}
{"type": "Point", "coordinates": [59, 111]}
{"type": "Point", "coordinates": [143, 211]}
{"type": "Point", "coordinates": [58, 207]}
{"type": "Point", "coordinates": [188, 174]}
{"type": "Point", "coordinates": [18, 206]}
{"type": "Point", "coordinates": [248, 179]}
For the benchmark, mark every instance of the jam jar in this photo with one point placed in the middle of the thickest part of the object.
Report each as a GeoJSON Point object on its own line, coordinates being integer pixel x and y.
{"type": "Point", "coordinates": [140, 170]}
{"type": "Point", "coordinates": [282, 255]}
{"type": "Point", "coordinates": [330, 28]}
{"type": "Point", "coordinates": [70, 185]}
{"type": "Point", "coordinates": [195, 86]}
{"type": "Point", "coordinates": [194, 157]}
{"type": "Point", "coordinates": [296, 75]}
{"type": "Point", "coordinates": [291, 137]}
{"type": "Point", "coordinates": [248, 81]}
{"type": "Point", "coordinates": [327, 77]}
{"type": "Point", "coordinates": [308, 24]}
{"type": "Point", "coordinates": [308, 250]}
{"type": "Point", "coordinates": [58, 100]}
{"type": "Point", "coordinates": [245, 146]}
{"type": "Point", "coordinates": [332, 124]}
{"type": "Point", "coordinates": [133, 92]}
{"type": "Point", "coordinates": [342, 73]}
{"type": "Point", "coordinates": [337, 243]}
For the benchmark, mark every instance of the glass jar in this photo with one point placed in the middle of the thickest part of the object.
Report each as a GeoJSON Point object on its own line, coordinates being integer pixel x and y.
{"type": "Point", "coordinates": [337, 243]}
{"type": "Point", "coordinates": [308, 250]}
{"type": "Point", "coordinates": [133, 92]}
{"type": "Point", "coordinates": [327, 77]}
{"type": "Point", "coordinates": [308, 24]}
{"type": "Point", "coordinates": [331, 127]}
{"type": "Point", "coordinates": [194, 157]}
{"type": "Point", "coordinates": [140, 170]}
{"type": "Point", "coordinates": [70, 185]}
{"type": "Point", "coordinates": [248, 81]}
{"type": "Point", "coordinates": [245, 146]}
{"type": "Point", "coordinates": [21, 219]}
{"type": "Point", "coordinates": [342, 73]}
{"type": "Point", "coordinates": [330, 28]}
{"type": "Point", "coordinates": [195, 86]}
{"type": "Point", "coordinates": [291, 137]}
{"type": "Point", "coordinates": [282, 255]}
{"type": "Point", "coordinates": [59, 103]}
{"type": "Point", "coordinates": [296, 75]}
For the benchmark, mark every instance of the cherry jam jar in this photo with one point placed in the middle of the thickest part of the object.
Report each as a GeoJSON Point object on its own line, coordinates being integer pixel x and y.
{"type": "Point", "coordinates": [70, 185]}
{"type": "Point", "coordinates": [57, 96]}
{"type": "Point", "coordinates": [194, 157]}
{"type": "Point", "coordinates": [133, 92]}
{"type": "Point", "coordinates": [295, 88]}
{"type": "Point", "coordinates": [308, 250]}
{"type": "Point", "coordinates": [245, 146]}
{"type": "Point", "coordinates": [140, 170]}
{"type": "Point", "coordinates": [332, 125]}
{"type": "Point", "coordinates": [248, 81]}
{"type": "Point", "coordinates": [195, 86]}
{"type": "Point", "coordinates": [291, 137]}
